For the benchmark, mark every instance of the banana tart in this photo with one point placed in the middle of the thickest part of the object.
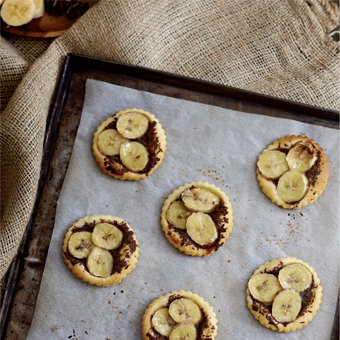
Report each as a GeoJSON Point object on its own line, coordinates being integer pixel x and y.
{"type": "Point", "coordinates": [197, 218]}
{"type": "Point", "coordinates": [293, 171]}
{"type": "Point", "coordinates": [179, 315]}
{"type": "Point", "coordinates": [130, 145]}
{"type": "Point", "coordinates": [284, 294]}
{"type": "Point", "coordinates": [100, 249]}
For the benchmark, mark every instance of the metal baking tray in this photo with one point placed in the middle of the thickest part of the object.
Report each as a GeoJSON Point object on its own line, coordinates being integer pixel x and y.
{"type": "Point", "coordinates": [28, 265]}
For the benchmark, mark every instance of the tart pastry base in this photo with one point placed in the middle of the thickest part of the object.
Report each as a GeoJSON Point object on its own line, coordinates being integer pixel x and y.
{"type": "Point", "coordinates": [179, 238]}
{"type": "Point", "coordinates": [317, 179]}
{"type": "Point", "coordinates": [209, 322]}
{"type": "Point", "coordinates": [263, 313]}
{"type": "Point", "coordinates": [124, 258]}
{"type": "Point", "coordinates": [116, 169]}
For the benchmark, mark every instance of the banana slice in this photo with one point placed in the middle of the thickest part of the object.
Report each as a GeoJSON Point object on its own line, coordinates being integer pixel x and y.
{"type": "Point", "coordinates": [110, 141]}
{"type": "Point", "coordinates": [302, 157]}
{"type": "Point", "coordinates": [132, 125]}
{"type": "Point", "coordinates": [39, 8]}
{"type": "Point", "coordinates": [17, 12]}
{"type": "Point", "coordinates": [80, 244]}
{"type": "Point", "coordinates": [200, 200]}
{"type": "Point", "coordinates": [272, 164]}
{"type": "Point", "coordinates": [162, 322]}
{"type": "Point", "coordinates": [295, 276]}
{"type": "Point", "coordinates": [292, 186]}
{"type": "Point", "coordinates": [107, 236]}
{"type": "Point", "coordinates": [201, 229]}
{"type": "Point", "coordinates": [185, 310]}
{"type": "Point", "coordinates": [134, 156]}
{"type": "Point", "coordinates": [100, 262]}
{"type": "Point", "coordinates": [177, 215]}
{"type": "Point", "coordinates": [184, 331]}
{"type": "Point", "coordinates": [286, 306]}
{"type": "Point", "coordinates": [263, 287]}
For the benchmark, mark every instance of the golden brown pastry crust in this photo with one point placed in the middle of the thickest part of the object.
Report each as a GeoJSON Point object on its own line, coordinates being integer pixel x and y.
{"type": "Point", "coordinates": [267, 320]}
{"type": "Point", "coordinates": [128, 252]}
{"type": "Point", "coordinates": [317, 177]}
{"type": "Point", "coordinates": [189, 247]}
{"type": "Point", "coordinates": [118, 170]}
{"type": "Point", "coordinates": [209, 329]}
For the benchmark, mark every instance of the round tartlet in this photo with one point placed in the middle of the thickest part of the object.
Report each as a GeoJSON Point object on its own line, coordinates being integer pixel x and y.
{"type": "Point", "coordinates": [221, 216]}
{"type": "Point", "coordinates": [206, 328]}
{"type": "Point", "coordinates": [154, 140]}
{"type": "Point", "coordinates": [310, 296]}
{"type": "Point", "coordinates": [123, 257]}
{"type": "Point", "coordinates": [316, 176]}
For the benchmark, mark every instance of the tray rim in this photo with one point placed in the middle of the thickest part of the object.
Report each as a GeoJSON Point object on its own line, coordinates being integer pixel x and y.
{"type": "Point", "coordinates": [75, 61]}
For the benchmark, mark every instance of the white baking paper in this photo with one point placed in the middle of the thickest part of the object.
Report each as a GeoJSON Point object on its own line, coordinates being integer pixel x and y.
{"type": "Point", "coordinates": [204, 143]}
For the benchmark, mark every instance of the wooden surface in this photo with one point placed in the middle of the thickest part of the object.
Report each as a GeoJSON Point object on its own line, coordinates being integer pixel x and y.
{"type": "Point", "coordinates": [47, 26]}
{"type": "Point", "coordinates": [27, 268]}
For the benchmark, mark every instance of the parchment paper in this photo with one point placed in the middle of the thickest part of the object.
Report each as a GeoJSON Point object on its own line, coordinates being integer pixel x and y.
{"type": "Point", "coordinates": [204, 143]}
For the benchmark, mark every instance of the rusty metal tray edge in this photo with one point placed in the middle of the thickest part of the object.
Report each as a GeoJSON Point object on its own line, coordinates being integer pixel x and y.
{"type": "Point", "coordinates": [27, 266]}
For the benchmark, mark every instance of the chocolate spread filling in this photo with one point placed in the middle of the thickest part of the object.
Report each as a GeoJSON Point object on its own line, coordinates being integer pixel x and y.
{"type": "Point", "coordinates": [218, 215]}
{"type": "Point", "coordinates": [199, 327]}
{"type": "Point", "coordinates": [312, 174]}
{"type": "Point", "coordinates": [307, 297]}
{"type": "Point", "coordinates": [150, 140]}
{"type": "Point", "coordinates": [119, 257]}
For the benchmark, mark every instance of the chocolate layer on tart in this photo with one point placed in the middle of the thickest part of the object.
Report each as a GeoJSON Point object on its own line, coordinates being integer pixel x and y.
{"type": "Point", "coordinates": [218, 215]}
{"type": "Point", "coordinates": [129, 152]}
{"type": "Point", "coordinates": [316, 176]}
{"type": "Point", "coordinates": [203, 324]}
{"type": "Point", "coordinates": [307, 297]}
{"type": "Point", "coordinates": [96, 264]}
{"type": "Point", "coordinates": [206, 328]}
{"type": "Point", "coordinates": [214, 217]}
{"type": "Point", "coordinates": [119, 261]}
{"type": "Point", "coordinates": [150, 140]}
{"type": "Point", "coordinates": [312, 174]}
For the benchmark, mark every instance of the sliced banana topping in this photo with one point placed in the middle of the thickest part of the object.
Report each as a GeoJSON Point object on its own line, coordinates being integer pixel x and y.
{"type": "Point", "coordinates": [295, 276]}
{"type": "Point", "coordinates": [132, 125]}
{"type": "Point", "coordinates": [177, 214]}
{"type": "Point", "coordinates": [273, 164]}
{"type": "Point", "coordinates": [200, 200]}
{"type": "Point", "coordinates": [201, 229]}
{"type": "Point", "coordinates": [80, 244]}
{"type": "Point", "coordinates": [286, 306]}
{"type": "Point", "coordinates": [163, 322]}
{"type": "Point", "coordinates": [184, 309]}
{"type": "Point", "coordinates": [263, 287]}
{"type": "Point", "coordinates": [302, 157]}
{"type": "Point", "coordinates": [292, 186]}
{"type": "Point", "coordinates": [134, 156]}
{"type": "Point", "coordinates": [185, 330]}
{"type": "Point", "coordinates": [110, 141]}
{"type": "Point", "coordinates": [100, 262]}
{"type": "Point", "coordinates": [39, 8]}
{"type": "Point", "coordinates": [107, 236]}
{"type": "Point", "coordinates": [17, 12]}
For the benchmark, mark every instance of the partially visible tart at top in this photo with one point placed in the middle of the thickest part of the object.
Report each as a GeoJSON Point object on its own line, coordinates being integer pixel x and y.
{"type": "Point", "coordinates": [130, 145]}
{"type": "Point", "coordinates": [293, 171]}
{"type": "Point", "coordinates": [197, 218]}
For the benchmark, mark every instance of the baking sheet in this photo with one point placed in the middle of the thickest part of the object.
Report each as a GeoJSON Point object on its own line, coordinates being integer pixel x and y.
{"type": "Point", "coordinates": [204, 143]}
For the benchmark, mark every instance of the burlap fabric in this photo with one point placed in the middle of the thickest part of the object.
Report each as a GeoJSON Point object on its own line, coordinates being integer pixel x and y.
{"type": "Point", "coordinates": [281, 48]}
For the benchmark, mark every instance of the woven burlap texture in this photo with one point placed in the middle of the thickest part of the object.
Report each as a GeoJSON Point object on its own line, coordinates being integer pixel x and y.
{"type": "Point", "coordinates": [281, 48]}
